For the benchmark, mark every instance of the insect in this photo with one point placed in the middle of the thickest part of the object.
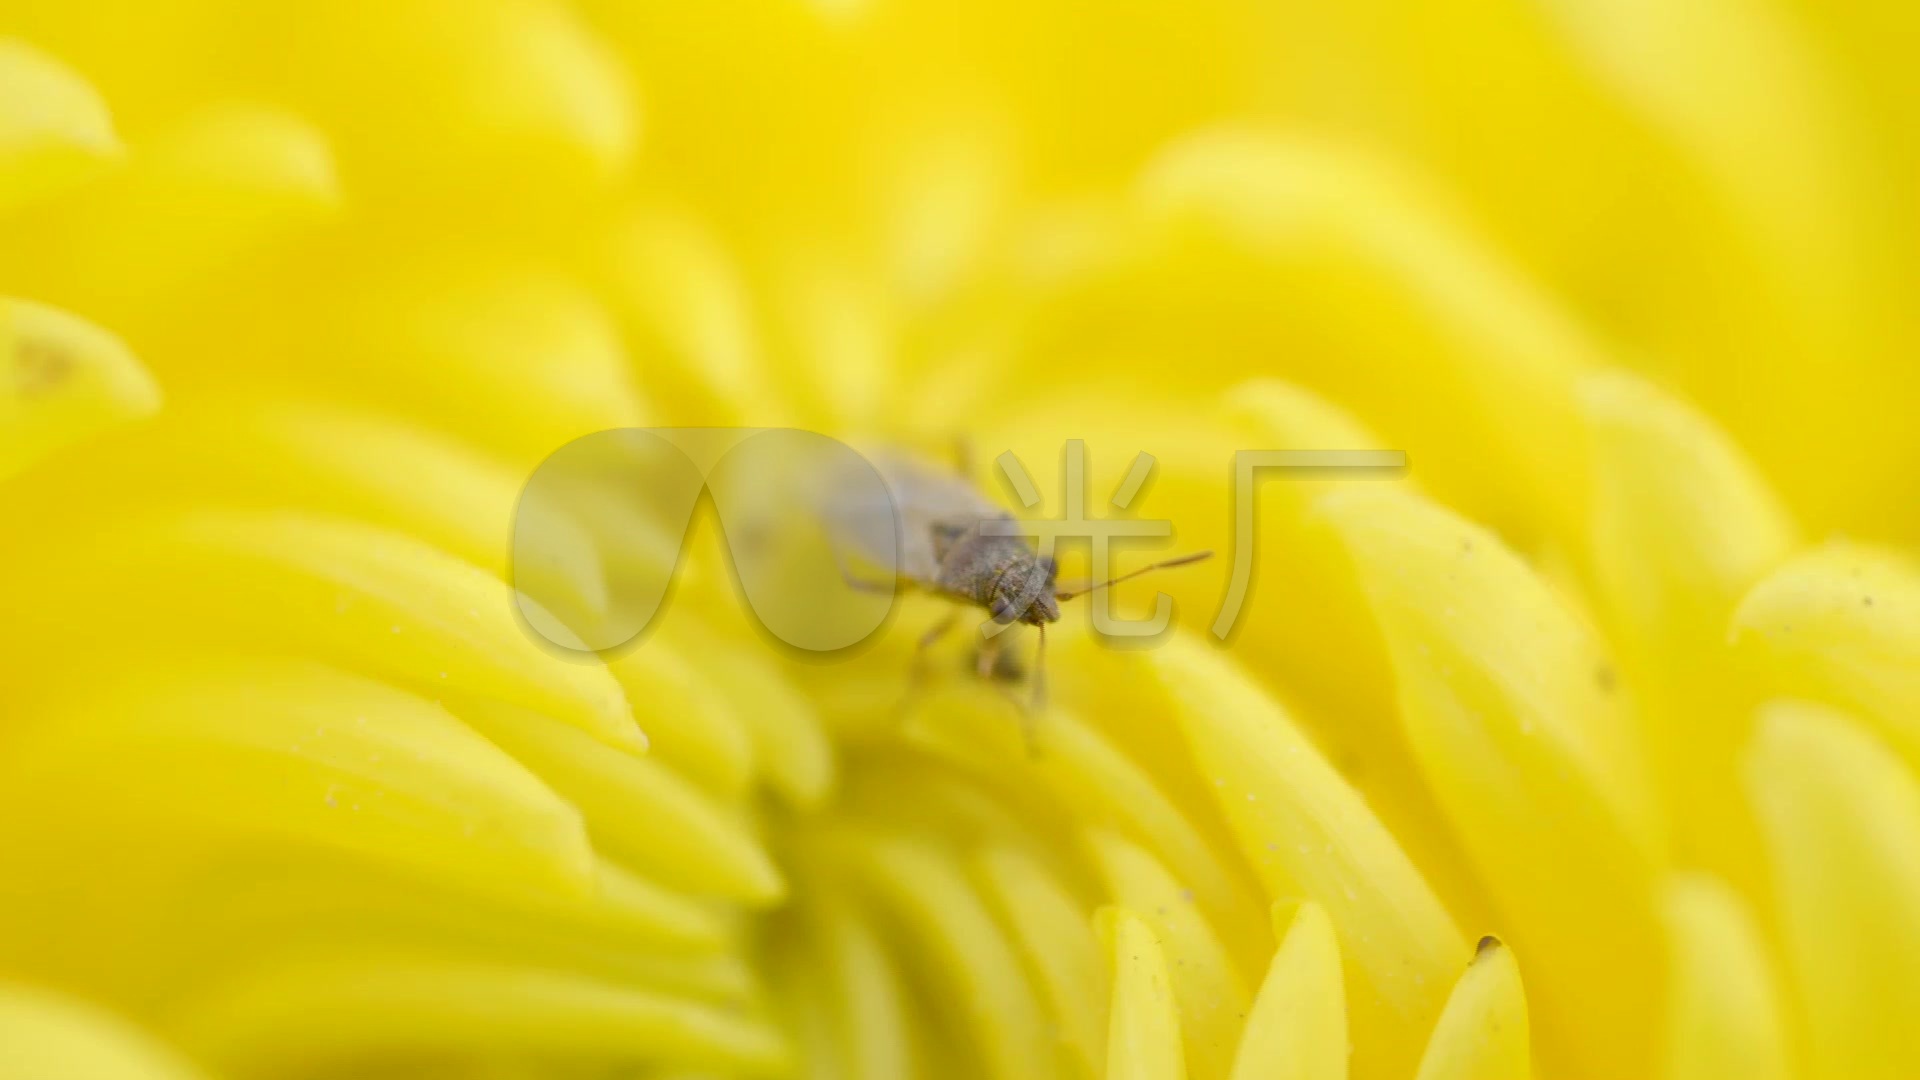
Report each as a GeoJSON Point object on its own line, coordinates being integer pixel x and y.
{"type": "Point", "coordinates": [956, 543]}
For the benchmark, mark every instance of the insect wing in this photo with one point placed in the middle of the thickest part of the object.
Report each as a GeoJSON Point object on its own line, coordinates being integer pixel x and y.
{"type": "Point", "coordinates": [930, 502]}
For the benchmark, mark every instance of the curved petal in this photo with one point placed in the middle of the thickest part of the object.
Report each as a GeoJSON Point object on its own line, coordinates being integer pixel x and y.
{"type": "Point", "coordinates": [1143, 1023]}
{"type": "Point", "coordinates": [1529, 751]}
{"type": "Point", "coordinates": [1308, 834]}
{"type": "Point", "coordinates": [1206, 986]}
{"type": "Point", "coordinates": [635, 807]}
{"type": "Point", "coordinates": [1100, 785]}
{"type": "Point", "coordinates": [62, 380]}
{"type": "Point", "coordinates": [872, 1025]}
{"type": "Point", "coordinates": [1682, 526]}
{"type": "Point", "coordinates": [690, 724]}
{"type": "Point", "coordinates": [1841, 817]}
{"type": "Point", "coordinates": [1297, 1028]}
{"type": "Point", "coordinates": [1841, 623]}
{"type": "Point", "coordinates": [980, 977]}
{"type": "Point", "coordinates": [205, 196]}
{"type": "Point", "coordinates": [358, 1004]}
{"type": "Point", "coordinates": [359, 595]}
{"type": "Point", "coordinates": [522, 92]}
{"type": "Point", "coordinates": [296, 751]}
{"type": "Point", "coordinates": [1725, 1014]}
{"type": "Point", "coordinates": [48, 1034]}
{"type": "Point", "coordinates": [54, 128]}
{"type": "Point", "coordinates": [1482, 1034]}
{"type": "Point", "coordinates": [1051, 928]}
{"type": "Point", "coordinates": [1414, 321]}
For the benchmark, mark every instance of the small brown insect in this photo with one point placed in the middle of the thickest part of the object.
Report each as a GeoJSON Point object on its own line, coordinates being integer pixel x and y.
{"type": "Point", "coordinates": [956, 543]}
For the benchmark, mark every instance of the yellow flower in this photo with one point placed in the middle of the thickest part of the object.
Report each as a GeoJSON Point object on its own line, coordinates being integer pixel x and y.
{"type": "Point", "coordinates": [1587, 749]}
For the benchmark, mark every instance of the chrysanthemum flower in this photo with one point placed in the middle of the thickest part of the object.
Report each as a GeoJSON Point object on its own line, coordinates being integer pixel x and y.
{"type": "Point", "coordinates": [1586, 749]}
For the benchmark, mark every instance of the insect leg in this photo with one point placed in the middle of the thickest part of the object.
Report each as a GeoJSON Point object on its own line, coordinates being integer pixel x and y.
{"type": "Point", "coordinates": [917, 672]}
{"type": "Point", "coordinates": [987, 657]}
{"type": "Point", "coordinates": [934, 634]}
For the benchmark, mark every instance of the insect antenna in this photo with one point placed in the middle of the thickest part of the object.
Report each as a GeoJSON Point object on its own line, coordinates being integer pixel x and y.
{"type": "Point", "coordinates": [1178, 560]}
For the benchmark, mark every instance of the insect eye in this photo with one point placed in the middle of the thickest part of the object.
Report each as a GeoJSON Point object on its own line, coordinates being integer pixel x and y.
{"type": "Point", "coordinates": [1002, 609]}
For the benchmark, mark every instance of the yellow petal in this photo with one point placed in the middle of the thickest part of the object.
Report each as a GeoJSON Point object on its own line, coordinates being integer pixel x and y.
{"type": "Point", "coordinates": [1842, 623]}
{"type": "Point", "coordinates": [1779, 237]}
{"type": "Point", "coordinates": [1530, 752]}
{"type": "Point", "coordinates": [688, 309]}
{"type": "Point", "coordinates": [636, 808]}
{"type": "Point", "coordinates": [1208, 990]}
{"type": "Point", "coordinates": [829, 338]}
{"type": "Point", "coordinates": [337, 460]}
{"type": "Point", "coordinates": [1320, 645]}
{"type": "Point", "coordinates": [871, 1000]}
{"type": "Point", "coordinates": [1482, 1034]}
{"type": "Point", "coordinates": [441, 91]}
{"type": "Point", "coordinates": [217, 894]}
{"type": "Point", "coordinates": [789, 741]}
{"type": "Point", "coordinates": [1414, 322]}
{"type": "Point", "coordinates": [300, 752]}
{"type": "Point", "coordinates": [689, 723]}
{"type": "Point", "coordinates": [1297, 1029]}
{"type": "Point", "coordinates": [1051, 928]}
{"type": "Point", "coordinates": [1724, 1010]}
{"type": "Point", "coordinates": [151, 65]}
{"type": "Point", "coordinates": [943, 181]}
{"type": "Point", "coordinates": [219, 186]}
{"type": "Point", "coordinates": [62, 381]}
{"type": "Point", "coordinates": [359, 595]}
{"type": "Point", "coordinates": [1308, 834]}
{"type": "Point", "coordinates": [424, 318]}
{"type": "Point", "coordinates": [1784, 167]}
{"type": "Point", "coordinates": [727, 980]}
{"type": "Point", "coordinates": [1841, 818]}
{"type": "Point", "coordinates": [1318, 642]}
{"type": "Point", "coordinates": [449, 495]}
{"type": "Point", "coordinates": [983, 988]}
{"type": "Point", "coordinates": [1143, 1023]}
{"type": "Point", "coordinates": [1099, 783]}
{"type": "Point", "coordinates": [632, 907]}
{"type": "Point", "coordinates": [356, 1006]}
{"type": "Point", "coordinates": [1682, 526]}
{"type": "Point", "coordinates": [54, 128]}
{"type": "Point", "coordinates": [48, 1035]}
{"type": "Point", "coordinates": [245, 150]}
{"type": "Point", "coordinates": [624, 929]}
{"type": "Point", "coordinates": [811, 1020]}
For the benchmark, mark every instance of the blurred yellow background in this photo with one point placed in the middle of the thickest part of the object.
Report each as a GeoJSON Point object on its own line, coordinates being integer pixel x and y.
{"type": "Point", "coordinates": [1624, 675]}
